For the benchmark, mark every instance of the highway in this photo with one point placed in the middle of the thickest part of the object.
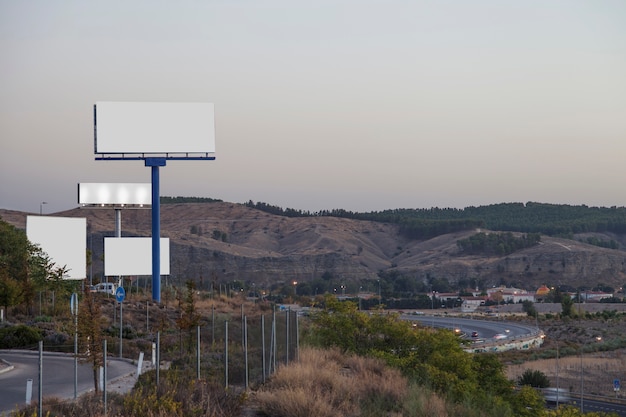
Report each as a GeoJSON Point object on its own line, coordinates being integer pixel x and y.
{"type": "Point", "coordinates": [57, 376]}
{"type": "Point", "coordinates": [487, 330]}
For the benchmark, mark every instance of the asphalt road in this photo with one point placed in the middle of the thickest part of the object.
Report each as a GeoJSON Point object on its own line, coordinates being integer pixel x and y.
{"type": "Point", "coordinates": [486, 329]}
{"type": "Point", "coordinates": [57, 376]}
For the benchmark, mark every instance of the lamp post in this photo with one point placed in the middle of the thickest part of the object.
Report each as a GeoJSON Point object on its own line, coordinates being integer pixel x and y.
{"type": "Point", "coordinates": [582, 377]}
{"type": "Point", "coordinates": [41, 207]}
{"type": "Point", "coordinates": [379, 297]}
{"type": "Point", "coordinates": [295, 291]}
{"type": "Point", "coordinates": [558, 389]}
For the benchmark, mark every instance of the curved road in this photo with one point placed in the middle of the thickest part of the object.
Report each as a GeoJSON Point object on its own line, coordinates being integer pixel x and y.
{"type": "Point", "coordinates": [57, 376]}
{"type": "Point", "coordinates": [486, 329]}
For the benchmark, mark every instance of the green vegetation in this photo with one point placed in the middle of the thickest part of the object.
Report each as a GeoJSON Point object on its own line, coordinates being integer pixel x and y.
{"type": "Point", "coordinates": [19, 336]}
{"type": "Point", "coordinates": [178, 200]}
{"type": "Point", "coordinates": [429, 358]}
{"type": "Point", "coordinates": [26, 270]}
{"type": "Point", "coordinates": [499, 244]}
{"type": "Point", "coordinates": [549, 219]}
{"type": "Point", "coordinates": [534, 378]}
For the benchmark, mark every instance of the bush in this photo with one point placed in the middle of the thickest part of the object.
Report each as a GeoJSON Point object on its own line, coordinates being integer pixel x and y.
{"type": "Point", "coordinates": [534, 378]}
{"type": "Point", "coordinates": [19, 336]}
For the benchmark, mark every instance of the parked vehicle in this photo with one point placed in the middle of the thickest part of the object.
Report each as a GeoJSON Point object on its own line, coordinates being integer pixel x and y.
{"type": "Point", "coordinates": [105, 287]}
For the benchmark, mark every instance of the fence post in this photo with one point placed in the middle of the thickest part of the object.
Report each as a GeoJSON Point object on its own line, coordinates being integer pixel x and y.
{"type": "Point", "coordinates": [198, 353]}
{"type": "Point", "coordinates": [226, 354]}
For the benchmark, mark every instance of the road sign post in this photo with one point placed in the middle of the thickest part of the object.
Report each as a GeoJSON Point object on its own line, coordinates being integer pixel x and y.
{"type": "Point", "coordinates": [120, 294]}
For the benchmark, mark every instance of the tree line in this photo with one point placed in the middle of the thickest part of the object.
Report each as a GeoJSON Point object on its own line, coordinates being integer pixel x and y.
{"type": "Point", "coordinates": [549, 219]}
{"type": "Point", "coordinates": [498, 244]}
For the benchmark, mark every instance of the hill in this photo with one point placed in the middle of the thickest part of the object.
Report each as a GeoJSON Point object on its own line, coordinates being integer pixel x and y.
{"type": "Point", "coordinates": [225, 242]}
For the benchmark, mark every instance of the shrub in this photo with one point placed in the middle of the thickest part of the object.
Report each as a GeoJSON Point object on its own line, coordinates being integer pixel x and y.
{"type": "Point", "coordinates": [534, 378]}
{"type": "Point", "coordinates": [19, 336]}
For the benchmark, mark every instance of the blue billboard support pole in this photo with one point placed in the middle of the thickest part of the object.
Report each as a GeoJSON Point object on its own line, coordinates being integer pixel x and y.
{"type": "Point", "coordinates": [155, 163]}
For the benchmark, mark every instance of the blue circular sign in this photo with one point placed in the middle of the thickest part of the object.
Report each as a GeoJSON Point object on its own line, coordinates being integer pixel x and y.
{"type": "Point", "coordinates": [120, 294]}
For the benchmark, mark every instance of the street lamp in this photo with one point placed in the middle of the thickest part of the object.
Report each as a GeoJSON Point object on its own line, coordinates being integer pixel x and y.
{"type": "Point", "coordinates": [41, 207]}
{"type": "Point", "coordinates": [379, 297]}
{"type": "Point", "coordinates": [582, 378]}
{"type": "Point", "coordinates": [295, 292]}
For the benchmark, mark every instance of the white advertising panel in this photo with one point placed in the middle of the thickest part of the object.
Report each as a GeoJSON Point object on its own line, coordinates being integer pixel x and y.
{"type": "Point", "coordinates": [133, 256]}
{"type": "Point", "coordinates": [136, 127]}
{"type": "Point", "coordinates": [118, 194]}
{"type": "Point", "coordinates": [63, 239]}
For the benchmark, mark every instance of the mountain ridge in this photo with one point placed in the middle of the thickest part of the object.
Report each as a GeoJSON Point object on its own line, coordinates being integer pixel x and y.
{"type": "Point", "coordinates": [223, 242]}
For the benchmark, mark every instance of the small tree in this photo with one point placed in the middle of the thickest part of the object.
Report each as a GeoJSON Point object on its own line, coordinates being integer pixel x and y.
{"type": "Point", "coordinates": [90, 322]}
{"type": "Point", "coordinates": [567, 305]}
{"type": "Point", "coordinates": [534, 378]}
{"type": "Point", "coordinates": [529, 307]}
{"type": "Point", "coordinates": [189, 317]}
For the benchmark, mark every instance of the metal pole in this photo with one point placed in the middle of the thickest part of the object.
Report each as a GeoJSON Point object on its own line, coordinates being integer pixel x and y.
{"type": "Point", "coordinates": [263, 345]}
{"type": "Point", "coordinates": [40, 395]}
{"type": "Point", "coordinates": [155, 163]}
{"type": "Point", "coordinates": [275, 349]}
{"type": "Point", "coordinates": [297, 339]}
{"type": "Point", "coordinates": [287, 336]}
{"type": "Point", "coordinates": [557, 374]}
{"type": "Point", "coordinates": [582, 383]}
{"type": "Point", "coordinates": [121, 329]}
{"type": "Point", "coordinates": [226, 354]}
{"type": "Point", "coordinates": [104, 378]}
{"type": "Point", "coordinates": [158, 359]}
{"type": "Point", "coordinates": [198, 353]}
{"type": "Point", "coordinates": [245, 332]}
{"type": "Point", "coordinates": [75, 356]}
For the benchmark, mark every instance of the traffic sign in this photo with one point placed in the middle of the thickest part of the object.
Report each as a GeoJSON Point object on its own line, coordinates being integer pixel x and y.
{"type": "Point", "coordinates": [74, 304]}
{"type": "Point", "coordinates": [120, 294]}
{"type": "Point", "coordinates": [616, 385]}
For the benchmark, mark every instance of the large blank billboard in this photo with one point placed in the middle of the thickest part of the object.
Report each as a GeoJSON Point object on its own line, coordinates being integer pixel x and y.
{"type": "Point", "coordinates": [133, 256]}
{"type": "Point", "coordinates": [161, 128]}
{"type": "Point", "coordinates": [117, 194]}
{"type": "Point", "coordinates": [63, 239]}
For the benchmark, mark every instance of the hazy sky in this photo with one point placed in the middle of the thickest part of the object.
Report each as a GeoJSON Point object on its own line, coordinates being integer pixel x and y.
{"type": "Point", "coordinates": [361, 105]}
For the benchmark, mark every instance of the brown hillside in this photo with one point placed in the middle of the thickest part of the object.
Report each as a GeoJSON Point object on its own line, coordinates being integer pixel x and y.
{"type": "Point", "coordinates": [228, 241]}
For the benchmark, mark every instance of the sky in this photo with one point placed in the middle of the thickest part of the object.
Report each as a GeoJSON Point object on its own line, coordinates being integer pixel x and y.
{"type": "Point", "coordinates": [361, 105]}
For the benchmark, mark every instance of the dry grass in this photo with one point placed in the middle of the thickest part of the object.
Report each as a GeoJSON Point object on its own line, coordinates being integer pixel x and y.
{"type": "Point", "coordinates": [326, 383]}
{"type": "Point", "coordinates": [599, 371]}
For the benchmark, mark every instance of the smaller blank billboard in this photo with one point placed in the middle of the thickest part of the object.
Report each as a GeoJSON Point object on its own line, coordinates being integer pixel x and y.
{"type": "Point", "coordinates": [133, 256]}
{"type": "Point", "coordinates": [63, 239]}
{"type": "Point", "coordinates": [161, 128]}
{"type": "Point", "coordinates": [117, 194]}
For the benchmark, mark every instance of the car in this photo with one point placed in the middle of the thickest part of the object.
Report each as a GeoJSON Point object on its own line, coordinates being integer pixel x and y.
{"type": "Point", "coordinates": [500, 336]}
{"type": "Point", "coordinates": [106, 287]}
{"type": "Point", "coordinates": [474, 334]}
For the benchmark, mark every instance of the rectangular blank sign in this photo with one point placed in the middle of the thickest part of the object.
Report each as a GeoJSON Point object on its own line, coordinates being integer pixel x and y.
{"type": "Point", "coordinates": [133, 256]}
{"type": "Point", "coordinates": [63, 239]}
{"type": "Point", "coordinates": [136, 127]}
{"type": "Point", "coordinates": [115, 194]}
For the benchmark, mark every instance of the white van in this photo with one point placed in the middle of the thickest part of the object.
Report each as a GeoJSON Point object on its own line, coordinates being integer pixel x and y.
{"type": "Point", "coordinates": [106, 287]}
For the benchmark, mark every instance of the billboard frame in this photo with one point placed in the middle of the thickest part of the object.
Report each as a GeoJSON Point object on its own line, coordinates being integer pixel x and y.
{"type": "Point", "coordinates": [154, 160]}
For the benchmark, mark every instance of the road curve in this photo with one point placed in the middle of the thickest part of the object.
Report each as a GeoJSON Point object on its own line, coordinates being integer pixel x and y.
{"type": "Point", "coordinates": [57, 376]}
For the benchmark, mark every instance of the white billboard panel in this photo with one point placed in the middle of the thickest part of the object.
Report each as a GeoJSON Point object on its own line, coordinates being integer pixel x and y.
{"type": "Point", "coordinates": [133, 256]}
{"type": "Point", "coordinates": [119, 194]}
{"type": "Point", "coordinates": [136, 127]}
{"type": "Point", "coordinates": [64, 239]}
